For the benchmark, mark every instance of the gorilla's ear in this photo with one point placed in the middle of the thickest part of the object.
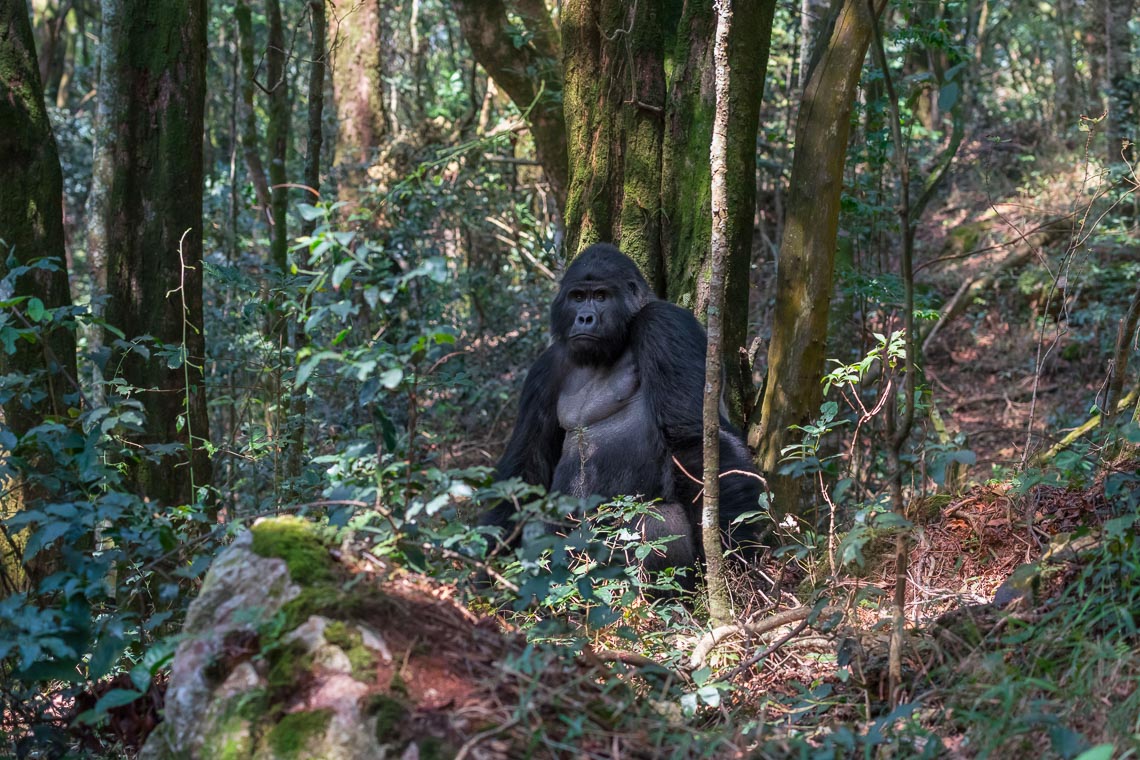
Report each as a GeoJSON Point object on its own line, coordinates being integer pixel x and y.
{"type": "Point", "coordinates": [632, 286]}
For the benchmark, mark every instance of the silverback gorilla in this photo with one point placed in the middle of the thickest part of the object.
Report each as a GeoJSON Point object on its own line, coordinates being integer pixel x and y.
{"type": "Point", "coordinates": [614, 404]}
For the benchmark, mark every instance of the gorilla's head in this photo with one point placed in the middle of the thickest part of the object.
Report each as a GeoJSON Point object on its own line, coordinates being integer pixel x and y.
{"type": "Point", "coordinates": [600, 293]}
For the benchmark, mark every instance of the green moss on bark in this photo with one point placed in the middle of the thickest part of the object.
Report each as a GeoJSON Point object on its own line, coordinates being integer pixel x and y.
{"type": "Point", "coordinates": [31, 228]}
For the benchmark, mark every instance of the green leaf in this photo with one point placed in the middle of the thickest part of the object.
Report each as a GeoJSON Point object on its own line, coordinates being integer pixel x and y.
{"type": "Point", "coordinates": [952, 72]}
{"type": "Point", "coordinates": [35, 309]}
{"type": "Point", "coordinates": [342, 271]}
{"type": "Point", "coordinates": [309, 213]}
{"type": "Point", "coordinates": [1066, 741]}
{"type": "Point", "coordinates": [1099, 752]}
{"type": "Point", "coordinates": [948, 96]}
{"type": "Point", "coordinates": [710, 695]}
{"type": "Point", "coordinates": [45, 536]}
{"type": "Point", "coordinates": [116, 698]}
{"type": "Point", "coordinates": [104, 656]}
{"type": "Point", "coordinates": [306, 369]}
{"type": "Point", "coordinates": [391, 378]}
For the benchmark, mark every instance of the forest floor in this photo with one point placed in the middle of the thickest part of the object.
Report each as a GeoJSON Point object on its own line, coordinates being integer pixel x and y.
{"type": "Point", "coordinates": [1019, 365]}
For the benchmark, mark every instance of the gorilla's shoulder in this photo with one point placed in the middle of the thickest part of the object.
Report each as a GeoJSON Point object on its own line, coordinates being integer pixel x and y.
{"type": "Point", "coordinates": [668, 328]}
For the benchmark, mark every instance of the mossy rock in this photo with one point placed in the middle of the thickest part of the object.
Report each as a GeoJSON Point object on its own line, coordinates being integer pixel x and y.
{"type": "Point", "coordinates": [295, 541]}
{"type": "Point", "coordinates": [296, 733]}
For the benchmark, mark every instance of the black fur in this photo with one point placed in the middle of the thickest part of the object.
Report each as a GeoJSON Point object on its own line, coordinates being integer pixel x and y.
{"type": "Point", "coordinates": [612, 338]}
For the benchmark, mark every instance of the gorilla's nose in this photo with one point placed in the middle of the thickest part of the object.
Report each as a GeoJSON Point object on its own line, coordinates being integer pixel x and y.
{"type": "Point", "coordinates": [585, 320]}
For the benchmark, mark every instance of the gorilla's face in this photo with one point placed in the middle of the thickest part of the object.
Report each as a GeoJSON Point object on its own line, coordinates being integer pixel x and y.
{"type": "Point", "coordinates": [600, 294]}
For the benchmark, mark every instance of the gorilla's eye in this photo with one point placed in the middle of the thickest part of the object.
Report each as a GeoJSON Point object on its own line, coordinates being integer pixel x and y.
{"type": "Point", "coordinates": [578, 296]}
{"type": "Point", "coordinates": [600, 295]}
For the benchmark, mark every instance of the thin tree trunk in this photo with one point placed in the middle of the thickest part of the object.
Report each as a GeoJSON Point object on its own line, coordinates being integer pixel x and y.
{"type": "Point", "coordinates": [319, 27]}
{"type": "Point", "coordinates": [277, 134]}
{"type": "Point", "coordinates": [250, 136]}
{"type": "Point", "coordinates": [1125, 335]}
{"type": "Point", "coordinates": [720, 610]}
{"type": "Point", "coordinates": [900, 432]}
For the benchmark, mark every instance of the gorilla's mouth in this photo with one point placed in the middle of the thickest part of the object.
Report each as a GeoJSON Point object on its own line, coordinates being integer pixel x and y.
{"type": "Point", "coordinates": [586, 337]}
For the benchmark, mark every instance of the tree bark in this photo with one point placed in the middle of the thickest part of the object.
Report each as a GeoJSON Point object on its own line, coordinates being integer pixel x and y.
{"type": "Point", "coordinates": [31, 210]}
{"type": "Point", "coordinates": [796, 353]}
{"type": "Point", "coordinates": [355, 48]}
{"type": "Point", "coordinates": [1118, 370]}
{"type": "Point", "coordinates": [529, 74]}
{"type": "Point", "coordinates": [319, 27]}
{"type": "Point", "coordinates": [250, 135]}
{"type": "Point", "coordinates": [686, 179]}
{"type": "Point", "coordinates": [50, 20]}
{"type": "Point", "coordinates": [720, 611]}
{"type": "Point", "coordinates": [277, 135]}
{"type": "Point", "coordinates": [1118, 76]}
{"type": "Point", "coordinates": [154, 229]}
{"type": "Point", "coordinates": [638, 146]}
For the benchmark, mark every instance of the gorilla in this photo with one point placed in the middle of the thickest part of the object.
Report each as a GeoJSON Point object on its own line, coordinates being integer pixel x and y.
{"type": "Point", "coordinates": [614, 408]}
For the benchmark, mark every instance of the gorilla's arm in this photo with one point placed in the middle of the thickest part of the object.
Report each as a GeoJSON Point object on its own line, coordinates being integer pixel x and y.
{"type": "Point", "coordinates": [670, 346]}
{"type": "Point", "coordinates": [536, 443]}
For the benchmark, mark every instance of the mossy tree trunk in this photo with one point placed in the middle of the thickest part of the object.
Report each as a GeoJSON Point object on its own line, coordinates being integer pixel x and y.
{"type": "Point", "coordinates": [639, 103]}
{"type": "Point", "coordinates": [37, 354]}
{"type": "Point", "coordinates": [614, 102]}
{"type": "Point", "coordinates": [31, 229]}
{"type": "Point", "coordinates": [154, 233]}
{"type": "Point", "coordinates": [796, 353]}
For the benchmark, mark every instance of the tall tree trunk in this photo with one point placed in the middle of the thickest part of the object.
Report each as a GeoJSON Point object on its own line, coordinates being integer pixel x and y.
{"type": "Point", "coordinates": [796, 353]}
{"type": "Point", "coordinates": [38, 366]}
{"type": "Point", "coordinates": [49, 23]}
{"type": "Point", "coordinates": [720, 611]}
{"type": "Point", "coordinates": [31, 229]}
{"type": "Point", "coordinates": [613, 61]}
{"type": "Point", "coordinates": [319, 28]}
{"type": "Point", "coordinates": [250, 135]}
{"type": "Point", "coordinates": [277, 134]}
{"type": "Point", "coordinates": [530, 75]}
{"type": "Point", "coordinates": [154, 229]}
{"type": "Point", "coordinates": [1070, 103]}
{"type": "Point", "coordinates": [1118, 76]}
{"type": "Point", "coordinates": [355, 47]}
{"type": "Point", "coordinates": [638, 145]}
{"type": "Point", "coordinates": [686, 174]}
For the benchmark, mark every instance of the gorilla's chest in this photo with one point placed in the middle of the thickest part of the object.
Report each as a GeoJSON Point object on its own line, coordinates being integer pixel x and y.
{"type": "Point", "coordinates": [609, 445]}
{"type": "Point", "coordinates": [596, 395]}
